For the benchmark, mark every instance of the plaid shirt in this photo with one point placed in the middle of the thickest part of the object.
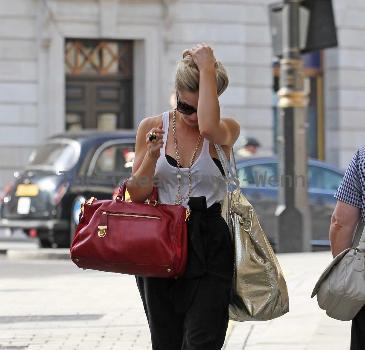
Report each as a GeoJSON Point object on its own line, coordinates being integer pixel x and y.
{"type": "Point", "coordinates": [352, 187]}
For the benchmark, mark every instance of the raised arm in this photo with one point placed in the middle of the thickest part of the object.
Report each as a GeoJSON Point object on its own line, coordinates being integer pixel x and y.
{"type": "Point", "coordinates": [222, 131]}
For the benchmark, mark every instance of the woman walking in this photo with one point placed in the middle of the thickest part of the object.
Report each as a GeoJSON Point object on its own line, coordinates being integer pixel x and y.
{"type": "Point", "coordinates": [176, 149]}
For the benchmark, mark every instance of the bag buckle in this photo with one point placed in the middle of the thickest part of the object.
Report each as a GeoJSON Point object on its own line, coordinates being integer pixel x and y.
{"type": "Point", "coordinates": [102, 231]}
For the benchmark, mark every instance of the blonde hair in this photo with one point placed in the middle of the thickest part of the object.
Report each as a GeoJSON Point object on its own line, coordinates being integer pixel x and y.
{"type": "Point", "coordinates": [187, 75]}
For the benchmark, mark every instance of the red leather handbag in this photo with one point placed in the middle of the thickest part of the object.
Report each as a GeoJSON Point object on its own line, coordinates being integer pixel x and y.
{"type": "Point", "coordinates": [145, 239]}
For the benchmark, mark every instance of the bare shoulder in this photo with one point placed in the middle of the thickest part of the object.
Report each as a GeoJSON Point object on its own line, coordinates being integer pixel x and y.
{"type": "Point", "coordinates": [150, 122]}
{"type": "Point", "coordinates": [231, 123]}
{"type": "Point", "coordinates": [234, 128]}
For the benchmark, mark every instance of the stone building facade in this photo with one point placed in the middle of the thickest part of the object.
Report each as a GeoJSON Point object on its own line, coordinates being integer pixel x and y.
{"type": "Point", "coordinates": [41, 78]}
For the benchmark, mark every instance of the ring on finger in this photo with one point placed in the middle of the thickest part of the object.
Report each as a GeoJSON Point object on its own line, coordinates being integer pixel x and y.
{"type": "Point", "coordinates": [152, 136]}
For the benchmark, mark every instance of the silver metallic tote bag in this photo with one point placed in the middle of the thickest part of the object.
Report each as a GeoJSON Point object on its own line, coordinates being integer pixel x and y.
{"type": "Point", "coordinates": [341, 288]}
{"type": "Point", "coordinates": [259, 288]}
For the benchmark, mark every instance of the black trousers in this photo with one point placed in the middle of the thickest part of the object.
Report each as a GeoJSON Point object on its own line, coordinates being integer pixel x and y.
{"type": "Point", "coordinates": [191, 313]}
{"type": "Point", "coordinates": [201, 325]}
{"type": "Point", "coordinates": [358, 331]}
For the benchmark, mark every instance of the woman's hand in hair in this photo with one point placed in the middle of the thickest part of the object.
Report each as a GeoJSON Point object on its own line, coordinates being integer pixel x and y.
{"type": "Point", "coordinates": [203, 57]}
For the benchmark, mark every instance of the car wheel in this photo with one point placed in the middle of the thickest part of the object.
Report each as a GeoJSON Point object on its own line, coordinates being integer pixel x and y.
{"type": "Point", "coordinates": [75, 215]}
{"type": "Point", "coordinates": [62, 239]}
{"type": "Point", "coordinates": [44, 243]}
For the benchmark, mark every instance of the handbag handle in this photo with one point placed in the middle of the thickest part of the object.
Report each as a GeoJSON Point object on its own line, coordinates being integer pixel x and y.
{"type": "Point", "coordinates": [153, 197]}
{"type": "Point", "coordinates": [230, 169]}
{"type": "Point", "coordinates": [359, 236]}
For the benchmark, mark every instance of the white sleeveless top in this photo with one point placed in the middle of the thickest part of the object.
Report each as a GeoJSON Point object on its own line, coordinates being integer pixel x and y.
{"type": "Point", "coordinates": [207, 179]}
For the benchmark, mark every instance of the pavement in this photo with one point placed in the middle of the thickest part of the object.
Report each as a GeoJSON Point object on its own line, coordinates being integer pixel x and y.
{"type": "Point", "coordinates": [50, 304]}
{"type": "Point", "coordinates": [305, 326]}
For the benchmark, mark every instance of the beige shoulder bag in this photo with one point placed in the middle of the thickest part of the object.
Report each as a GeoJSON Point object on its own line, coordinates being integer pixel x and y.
{"type": "Point", "coordinates": [259, 288]}
{"type": "Point", "coordinates": [341, 288]}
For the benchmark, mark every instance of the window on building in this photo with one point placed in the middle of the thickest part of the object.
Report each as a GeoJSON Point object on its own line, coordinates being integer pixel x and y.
{"type": "Point", "coordinates": [99, 84]}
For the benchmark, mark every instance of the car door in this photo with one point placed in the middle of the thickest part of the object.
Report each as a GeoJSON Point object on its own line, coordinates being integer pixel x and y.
{"type": "Point", "coordinates": [111, 164]}
{"type": "Point", "coordinates": [259, 183]}
{"type": "Point", "coordinates": [322, 183]}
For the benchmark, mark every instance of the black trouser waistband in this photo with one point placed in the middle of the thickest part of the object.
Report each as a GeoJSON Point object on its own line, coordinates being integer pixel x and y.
{"type": "Point", "coordinates": [199, 204]}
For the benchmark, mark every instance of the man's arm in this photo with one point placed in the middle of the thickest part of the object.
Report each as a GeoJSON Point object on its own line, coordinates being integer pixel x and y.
{"type": "Point", "coordinates": [343, 223]}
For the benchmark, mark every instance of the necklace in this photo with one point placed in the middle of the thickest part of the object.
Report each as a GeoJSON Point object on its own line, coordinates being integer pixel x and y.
{"type": "Point", "coordinates": [179, 196]}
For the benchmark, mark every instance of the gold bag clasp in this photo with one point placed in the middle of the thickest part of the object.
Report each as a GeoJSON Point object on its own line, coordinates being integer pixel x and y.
{"type": "Point", "coordinates": [102, 231]}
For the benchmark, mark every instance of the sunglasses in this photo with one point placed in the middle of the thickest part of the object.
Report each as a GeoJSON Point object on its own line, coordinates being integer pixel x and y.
{"type": "Point", "coordinates": [184, 108]}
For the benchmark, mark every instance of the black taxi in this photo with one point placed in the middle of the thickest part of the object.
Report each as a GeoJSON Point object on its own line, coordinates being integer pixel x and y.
{"type": "Point", "coordinates": [45, 198]}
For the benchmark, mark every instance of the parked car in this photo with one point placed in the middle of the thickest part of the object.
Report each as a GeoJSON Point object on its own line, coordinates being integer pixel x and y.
{"type": "Point", "coordinates": [259, 180]}
{"type": "Point", "coordinates": [45, 198]}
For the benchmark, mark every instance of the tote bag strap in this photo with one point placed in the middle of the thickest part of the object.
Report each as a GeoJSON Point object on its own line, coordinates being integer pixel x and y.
{"type": "Point", "coordinates": [359, 237]}
{"type": "Point", "coordinates": [230, 169]}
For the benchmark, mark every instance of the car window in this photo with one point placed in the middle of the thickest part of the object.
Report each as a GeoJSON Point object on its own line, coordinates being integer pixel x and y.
{"type": "Point", "coordinates": [59, 155]}
{"type": "Point", "coordinates": [324, 179]}
{"type": "Point", "coordinates": [116, 159]}
{"type": "Point", "coordinates": [259, 175]}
